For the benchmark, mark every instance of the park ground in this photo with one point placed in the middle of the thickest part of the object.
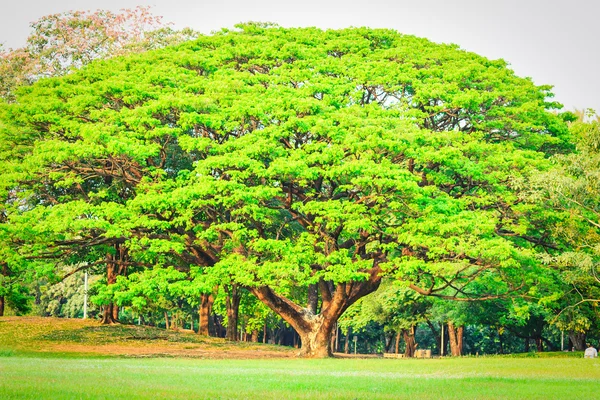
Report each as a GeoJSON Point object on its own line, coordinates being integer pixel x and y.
{"type": "Point", "coordinates": [71, 359]}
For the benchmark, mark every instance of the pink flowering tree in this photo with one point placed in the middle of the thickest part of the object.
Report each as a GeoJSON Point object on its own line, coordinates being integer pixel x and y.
{"type": "Point", "coordinates": [61, 42]}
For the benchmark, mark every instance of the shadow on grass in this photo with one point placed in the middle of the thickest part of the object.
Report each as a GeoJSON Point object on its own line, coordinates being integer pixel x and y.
{"type": "Point", "coordinates": [119, 333]}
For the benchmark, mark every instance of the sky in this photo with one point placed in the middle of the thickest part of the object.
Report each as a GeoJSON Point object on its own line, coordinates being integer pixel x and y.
{"type": "Point", "coordinates": [554, 42]}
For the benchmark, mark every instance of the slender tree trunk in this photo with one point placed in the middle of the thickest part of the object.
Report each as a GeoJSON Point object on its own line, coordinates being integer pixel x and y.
{"type": "Point", "coordinates": [539, 344]}
{"type": "Point", "coordinates": [204, 311]}
{"type": "Point", "coordinates": [436, 334]}
{"type": "Point", "coordinates": [265, 332]}
{"type": "Point", "coordinates": [108, 312]}
{"type": "Point", "coordinates": [218, 326]}
{"type": "Point", "coordinates": [409, 341]}
{"type": "Point", "coordinates": [2, 298]}
{"type": "Point", "coordinates": [526, 345]}
{"type": "Point", "coordinates": [334, 338]}
{"type": "Point", "coordinates": [114, 266]}
{"type": "Point", "coordinates": [398, 336]}
{"type": "Point", "coordinates": [389, 342]}
{"type": "Point", "coordinates": [347, 341]}
{"type": "Point", "coordinates": [500, 342]}
{"type": "Point", "coordinates": [234, 296]}
{"type": "Point", "coordinates": [167, 325]}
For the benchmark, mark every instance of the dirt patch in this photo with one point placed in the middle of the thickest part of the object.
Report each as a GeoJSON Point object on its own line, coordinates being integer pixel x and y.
{"type": "Point", "coordinates": [171, 351]}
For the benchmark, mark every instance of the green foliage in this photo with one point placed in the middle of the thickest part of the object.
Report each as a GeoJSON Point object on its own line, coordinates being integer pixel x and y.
{"type": "Point", "coordinates": [280, 158]}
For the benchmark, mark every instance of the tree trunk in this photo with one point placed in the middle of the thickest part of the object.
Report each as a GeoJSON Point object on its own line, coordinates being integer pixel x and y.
{"type": "Point", "coordinates": [398, 336]}
{"type": "Point", "coordinates": [108, 314]}
{"type": "Point", "coordinates": [2, 298]}
{"type": "Point", "coordinates": [234, 295]}
{"type": "Point", "coordinates": [578, 340]}
{"type": "Point", "coordinates": [204, 311]}
{"type": "Point", "coordinates": [347, 341]}
{"type": "Point", "coordinates": [334, 338]}
{"type": "Point", "coordinates": [500, 342]}
{"type": "Point", "coordinates": [409, 341]}
{"type": "Point", "coordinates": [539, 344]}
{"type": "Point", "coordinates": [265, 332]}
{"type": "Point", "coordinates": [316, 338]}
{"type": "Point", "coordinates": [456, 339]}
{"type": "Point", "coordinates": [114, 267]}
{"type": "Point", "coordinates": [436, 335]}
{"type": "Point", "coordinates": [527, 345]}
{"type": "Point", "coordinates": [315, 329]}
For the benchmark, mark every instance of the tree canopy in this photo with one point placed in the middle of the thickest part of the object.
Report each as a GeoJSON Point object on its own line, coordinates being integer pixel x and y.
{"type": "Point", "coordinates": [288, 162]}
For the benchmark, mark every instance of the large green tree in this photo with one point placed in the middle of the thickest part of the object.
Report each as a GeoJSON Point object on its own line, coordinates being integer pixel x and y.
{"type": "Point", "coordinates": [289, 161]}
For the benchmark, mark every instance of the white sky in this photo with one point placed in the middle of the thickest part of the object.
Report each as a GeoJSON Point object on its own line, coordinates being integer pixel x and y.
{"type": "Point", "coordinates": [553, 41]}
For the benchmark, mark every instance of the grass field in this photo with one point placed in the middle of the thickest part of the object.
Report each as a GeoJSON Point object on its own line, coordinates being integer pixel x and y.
{"type": "Point", "coordinates": [26, 373]}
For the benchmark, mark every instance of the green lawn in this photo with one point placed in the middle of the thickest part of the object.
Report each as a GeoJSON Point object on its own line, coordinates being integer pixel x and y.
{"type": "Point", "coordinates": [180, 378]}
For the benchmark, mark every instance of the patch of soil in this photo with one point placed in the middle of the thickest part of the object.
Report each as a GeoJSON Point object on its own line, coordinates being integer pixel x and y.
{"type": "Point", "coordinates": [168, 351]}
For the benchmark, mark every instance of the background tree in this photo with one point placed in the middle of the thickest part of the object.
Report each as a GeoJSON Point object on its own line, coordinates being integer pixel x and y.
{"type": "Point", "coordinates": [572, 189]}
{"type": "Point", "coordinates": [60, 43]}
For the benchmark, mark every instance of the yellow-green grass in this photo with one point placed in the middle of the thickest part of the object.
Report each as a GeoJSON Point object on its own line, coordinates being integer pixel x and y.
{"type": "Point", "coordinates": [44, 358]}
{"type": "Point", "coordinates": [185, 378]}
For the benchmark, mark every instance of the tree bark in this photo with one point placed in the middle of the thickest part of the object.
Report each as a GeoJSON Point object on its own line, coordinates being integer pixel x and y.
{"type": "Point", "coordinates": [234, 295]}
{"type": "Point", "coordinates": [333, 338]}
{"type": "Point", "coordinates": [315, 330]}
{"type": "Point", "coordinates": [398, 336]}
{"type": "Point", "coordinates": [539, 344]}
{"type": "Point", "coordinates": [108, 315]}
{"type": "Point", "coordinates": [265, 332]}
{"type": "Point", "coordinates": [2, 298]}
{"type": "Point", "coordinates": [204, 311]}
{"type": "Point", "coordinates": [436, 335]}
{"type": "Point", "coordinates": [409, 341]}
{"type": "Point", "coordinates": [312, 298]}
{"type": "Point", "coordinates": [500, 342]}
{"type": "Point", "coordinates": [114, 267]}
{"type": "Point", "coordinates": [347, 341]}
{"type": "Point", "coordinates": [578, 340]}
{"type": "Point", "coordinates": [455, 337]}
